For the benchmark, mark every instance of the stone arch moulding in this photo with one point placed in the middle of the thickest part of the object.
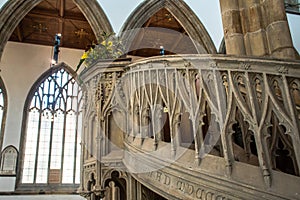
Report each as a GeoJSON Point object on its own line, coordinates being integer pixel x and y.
{"type": "Point", "coordinates": [181, 11]}
{"type": "Point", "coordinates": [13, 11]}
{"type": "Point", "coordinates": [222, 48]}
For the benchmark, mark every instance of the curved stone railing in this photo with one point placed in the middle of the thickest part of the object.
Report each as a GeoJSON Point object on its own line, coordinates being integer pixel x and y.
{"type": "Point", "coordinates": [243, 116]}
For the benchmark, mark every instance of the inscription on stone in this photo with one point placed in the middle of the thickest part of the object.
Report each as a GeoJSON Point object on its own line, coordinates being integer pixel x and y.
{"type": "Point", "coordinates": [180, 186]}
{"type": "Point", "coordinates": [9, 158]}
{"type": "Point", "coordinates": [9, 162]}
{"type": "Point", "coordinates": [160, 177]}
{"type": "Point", "coordinates": [186, 189]}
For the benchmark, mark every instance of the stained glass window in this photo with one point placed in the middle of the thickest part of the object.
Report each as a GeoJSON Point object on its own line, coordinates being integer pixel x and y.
{"type": "Point", "coordinates": [52, 149]}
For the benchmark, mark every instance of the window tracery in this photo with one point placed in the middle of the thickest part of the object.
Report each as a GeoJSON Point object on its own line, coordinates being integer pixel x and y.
{"type": "Point", "coordinates": [53, 130]}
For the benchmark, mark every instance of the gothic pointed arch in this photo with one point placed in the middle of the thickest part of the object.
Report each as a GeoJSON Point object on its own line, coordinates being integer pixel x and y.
{"type": "Point", "coordinates": [51, 133]}
{"type": "Point", "coordinates": [14, 11]}
{"type": "Point", "coordinates": [183, 14]}
{"type": "Point", "coordinates": [222, 48]}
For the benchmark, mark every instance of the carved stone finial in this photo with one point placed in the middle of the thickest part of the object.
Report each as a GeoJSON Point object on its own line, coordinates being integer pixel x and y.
{"type": "Point", "coordinates": [187, 64]}
{"type": "Point", "coordinates": [228, 169]}
{"type": "Point", "coordinates": [198, 160]}
{"type": "Point", "coordinates": [166, 63]}
{"type": "Point", "coordinates": [267, 177]}
{"type": "Point", "coordinates": [213, 64]}
{"type": "Point", "coordinates": [283, 70]}
{"type": "Point", "coordinates": [99, 192]}
{"type": "Point", "coordinates": [246, 66]}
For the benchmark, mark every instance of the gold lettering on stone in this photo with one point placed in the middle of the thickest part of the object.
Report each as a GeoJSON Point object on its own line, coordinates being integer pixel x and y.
{"type": "Point", "coordinates": [185, 187]}
{"type": "Point", "coordinates": [199, 193]}
{"type": "Point", "coordinates": [167, 180]}
{"type": "Point", "coordinates": [158, 176]}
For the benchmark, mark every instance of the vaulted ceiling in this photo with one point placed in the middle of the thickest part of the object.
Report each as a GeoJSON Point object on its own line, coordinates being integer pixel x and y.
{"type": "Point", "coordinates": [50, 17]}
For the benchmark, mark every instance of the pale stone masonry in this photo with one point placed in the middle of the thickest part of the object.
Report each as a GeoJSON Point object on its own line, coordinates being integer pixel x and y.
{"type": "Point", "coordinates": [187, 126]}
{"type": "Point", "coordinates": [256, 28]}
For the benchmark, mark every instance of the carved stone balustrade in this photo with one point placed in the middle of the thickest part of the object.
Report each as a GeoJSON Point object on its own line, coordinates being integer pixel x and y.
{"type": "Point", "coordinates": [243, 117]}
{"type": "Point", "coordinates": [199, 126]}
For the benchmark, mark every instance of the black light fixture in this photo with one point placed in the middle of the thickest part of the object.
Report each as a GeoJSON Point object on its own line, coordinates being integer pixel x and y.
{"type": "Point", "coordinates": [56, 48]}
{"type": "Point", "coordinates": [161, 50]}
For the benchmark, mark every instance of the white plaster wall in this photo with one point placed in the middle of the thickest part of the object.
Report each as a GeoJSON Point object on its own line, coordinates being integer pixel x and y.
{"type": "Point", "coordinates": [21, 66]}
{"type": "Point", "coordinates": [7, 184]}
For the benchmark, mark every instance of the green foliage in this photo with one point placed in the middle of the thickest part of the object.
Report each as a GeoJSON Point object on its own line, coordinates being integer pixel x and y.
{"type": "Point", "coordinates": [111, 47]}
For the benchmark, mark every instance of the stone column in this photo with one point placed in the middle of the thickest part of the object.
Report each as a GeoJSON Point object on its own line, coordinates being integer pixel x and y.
{"type": "Point", "coordinates": [277, 29]}
{"type": "Point", "coordinates": [99, 153]}
{"type": "Point", "coordinates": [136, 119]}
{"type": "Point", "coordinates": [82, 181]}
{"type": "Point", "coordinates": [233, 35]}
{"type": "Point", "coordinates": [139, 195]}
{"type": "Point", "coordinates": [257, 28]}
{"type": "Point", "coordinates": [131, 190]}
{"type": "Point", "coordinates": [253, 28]}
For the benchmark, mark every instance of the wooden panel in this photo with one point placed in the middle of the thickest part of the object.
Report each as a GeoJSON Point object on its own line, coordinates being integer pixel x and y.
{"type": "Point", "coordinates": [49, 17]}
{"type": "Point", "coordinates": [54, 176]}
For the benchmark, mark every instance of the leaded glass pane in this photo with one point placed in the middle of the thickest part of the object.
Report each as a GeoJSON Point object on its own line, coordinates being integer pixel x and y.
{"type": "Point", "coordinates": [69, 148]}
{"type": "Point", "coordinates": [57, 140]}
{"type": "Point", "coordinates": [43, 150]}
{"type": "Point", "coordinates": [78, 149]}
{"type": "Point", "coordinates": [31, 145]}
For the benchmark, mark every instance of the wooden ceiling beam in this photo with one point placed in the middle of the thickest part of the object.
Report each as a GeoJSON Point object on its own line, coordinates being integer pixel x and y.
{"type": "Point", "coordinates": [61, 22]}
{"type": "Point", "coordinates": [61, 30]}
{"type": "Point", "coordinates": [62, 8]}
{"type": "Point", "coordinates": [148, 22]}
{"type": "Point", "coordinates": [179, 38]}
{"type": "Point", "coordinates": [52, 15]}
{"type": "Point", "coordinates": [19, 33]}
